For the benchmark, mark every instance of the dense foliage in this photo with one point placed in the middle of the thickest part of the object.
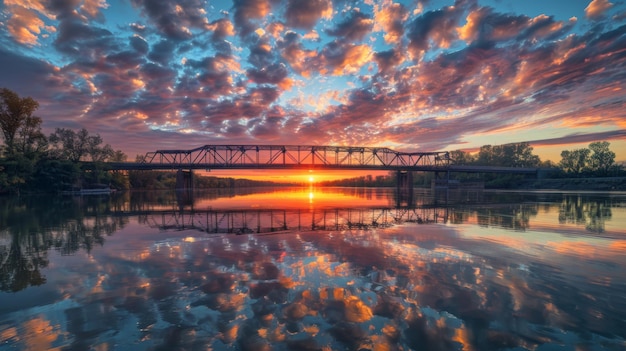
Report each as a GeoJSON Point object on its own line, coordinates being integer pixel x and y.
{"type": "Point", "coordinates": [596, 161]}
{"type": "Point", "coordinates": [32, 162]}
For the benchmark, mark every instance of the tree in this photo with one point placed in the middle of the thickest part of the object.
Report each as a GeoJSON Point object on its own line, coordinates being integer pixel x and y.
{"type": "Point", "coordinates": [601, 159]}
{"type": "Point", "coordinates": [70, 145]}
{"type": "Point", "coordinates": [32, 141]}
{"type": "Point", "coordinates": [575, 161]}
{"type": "Point", "coordinates": [118, 156]}
{"type": "Point", "coordinates": [522, 155]}
{"type": "Point", "coordinates": [16, 117]}
{"type": "Point", "coordinates": [97, 153]}
{"type": "Point", "coordinates": [460, 157]}
{"type": "Point", "coordinates": [508, 155]}
{"type": "Point", "coordinates": [597, 159]}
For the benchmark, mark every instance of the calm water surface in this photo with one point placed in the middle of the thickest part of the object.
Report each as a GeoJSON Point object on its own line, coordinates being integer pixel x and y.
{"type": "Point", "coordinates": [314, 269]}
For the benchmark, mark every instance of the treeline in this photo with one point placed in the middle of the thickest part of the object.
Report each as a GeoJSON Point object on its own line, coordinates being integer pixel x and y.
{"type": "Point", "coordinates": [595, 161]}
{"type": "Point", "coordinates": [33, 162]}
{"type": "Point", "coordinates": [379, 181]}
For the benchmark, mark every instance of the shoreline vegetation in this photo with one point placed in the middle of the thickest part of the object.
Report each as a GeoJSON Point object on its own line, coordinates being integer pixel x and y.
{"type": "Point", "coordinates": [68, 160]}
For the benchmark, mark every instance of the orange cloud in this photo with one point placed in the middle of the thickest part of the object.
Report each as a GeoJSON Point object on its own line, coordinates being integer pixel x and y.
{"type": "Point", "coordinates": [597, 8]}
{"type": "Point", "coordinates": [469, 31]}
{"type": "Point", "coordinates": [25, 25]}
{"type": "Point", "coordinates": [275, 29]}
{"type": "Point", "coordinates": [299, 59]}
{"type": "Point", "coordinates": [354, 58]}
{"type": "Point", "coordinates": [222, 28]}
{"type": "Point", "coordinates": [389, 17]}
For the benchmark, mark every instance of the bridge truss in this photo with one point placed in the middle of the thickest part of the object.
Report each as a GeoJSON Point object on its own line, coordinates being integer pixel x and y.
{"type": "Point", "coordinates": [296, 157]}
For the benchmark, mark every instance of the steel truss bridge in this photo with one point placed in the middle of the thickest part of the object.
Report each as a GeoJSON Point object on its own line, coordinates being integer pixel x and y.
{"type": "Point", "coordinates": [293, 157]}
{"type": "Point", "coordinates": [216, 157]}
{"type": "Point", "coordinates": [259, 221]}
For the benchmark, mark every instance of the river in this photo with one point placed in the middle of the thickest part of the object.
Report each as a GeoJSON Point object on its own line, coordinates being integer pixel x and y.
{"type": "Point", "coordinates": [314, 269]}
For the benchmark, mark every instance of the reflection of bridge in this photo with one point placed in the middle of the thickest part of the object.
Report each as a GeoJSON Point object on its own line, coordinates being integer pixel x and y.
{"type": "Point", "coordinates": [275, 220]}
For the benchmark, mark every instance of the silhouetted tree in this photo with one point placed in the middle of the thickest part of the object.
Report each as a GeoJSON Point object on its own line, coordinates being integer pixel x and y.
{"type": "Point", "coordinates": [602, 159]}
{"type": "Point", "coordinates": [32, 142]}
{"type": "Point", "coordinates": [17, 120]}
{"type": "Point", "coordinates": [574, 161]}
{"type": "Point", "coordinates": [596, 160]}
{"type": "Point", "coordinates": [77, 146]}
{"type": "Point", "coordinates": [508, 155]}
{"type": "Point", "coordinates": [460, 157]}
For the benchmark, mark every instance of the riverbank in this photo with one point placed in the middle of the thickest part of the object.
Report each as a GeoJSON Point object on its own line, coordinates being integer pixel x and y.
{"type": "Point", "coordinates": [599, 184]}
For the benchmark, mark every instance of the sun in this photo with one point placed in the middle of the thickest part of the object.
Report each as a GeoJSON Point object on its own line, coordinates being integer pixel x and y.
{"type": "Point", "coordinates": [311, 179]}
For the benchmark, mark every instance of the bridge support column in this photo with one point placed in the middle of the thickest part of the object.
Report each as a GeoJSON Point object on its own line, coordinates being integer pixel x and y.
{"type": "Point", "coordinates": [404, 188]}
{"type": "Point", "coordinates": [404, 181]}
{"type": "Point", "coordinates": [184, 180]}
{"type": "Point", "coordinates": [184, 188]}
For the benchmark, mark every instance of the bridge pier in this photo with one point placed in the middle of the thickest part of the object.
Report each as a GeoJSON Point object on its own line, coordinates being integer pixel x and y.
{"type": "Point", "coordinates": [404, 188]}
{"type": "Point", "coordinates": [184, 180]}
{"type": "Point", "coordinates": [442, 181]}
{"type": "Point", "coordinates": [184, 188]}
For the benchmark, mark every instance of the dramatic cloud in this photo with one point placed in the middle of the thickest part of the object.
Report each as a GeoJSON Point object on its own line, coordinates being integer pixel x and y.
{"type": "Point", "coordinates": [346, 58]}
{"type": "Point", "coordinates": [390, 18]}
{"type": "Point", "coordinates": [387, 60]}
{"type": "Point", "coordinates": [435, 29]}
{"type": "Point", "coordinates": [247, 12]}
{"type": "Point", "coordinates": [353, 28]}
{"type": "Point", "coordinates": [396, 74]}
{"type": "Point", "coordinates": [305, 13]}
{"type": "Point", "coordinates": [597, 9]}
{"type": "Point", "coordinates": [222, 28]}
{"type": "Point", "coordinates": [26, 26]}
{"type": "Point", "coordinates": [175, 19]}
{"type": "Point", "coordinates": [273, 74]}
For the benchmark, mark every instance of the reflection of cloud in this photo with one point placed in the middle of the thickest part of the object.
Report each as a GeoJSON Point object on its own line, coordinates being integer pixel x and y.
{"type": "Point", "coordinates": [410, 286]}
{"type": "Point", "coordinates": [36, 334]}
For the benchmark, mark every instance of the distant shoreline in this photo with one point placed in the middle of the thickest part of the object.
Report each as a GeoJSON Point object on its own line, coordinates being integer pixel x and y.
{"type": "Point", "coordinates": [592, 184]}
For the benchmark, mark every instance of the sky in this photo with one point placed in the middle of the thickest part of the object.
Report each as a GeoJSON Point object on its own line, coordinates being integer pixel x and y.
{"type": "Point", "coordinates": [408, 75]}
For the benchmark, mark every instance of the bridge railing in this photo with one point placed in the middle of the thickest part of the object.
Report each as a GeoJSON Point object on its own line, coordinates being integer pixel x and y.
{"type": "Point", "coordinates": [297, 155]}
